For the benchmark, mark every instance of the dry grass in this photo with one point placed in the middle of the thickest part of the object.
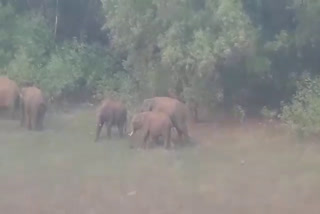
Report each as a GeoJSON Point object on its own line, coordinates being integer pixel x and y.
{"type": "Point", "coordinates": [233, 169]}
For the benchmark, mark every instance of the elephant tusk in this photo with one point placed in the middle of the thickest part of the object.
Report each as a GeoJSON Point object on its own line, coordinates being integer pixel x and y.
{"type": "Point", "coordinates": [130, 134]}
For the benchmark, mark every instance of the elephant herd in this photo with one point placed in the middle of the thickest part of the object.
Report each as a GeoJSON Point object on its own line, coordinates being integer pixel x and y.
{"type": "Point", "coordinates": [28, 100]}
{"type": "Point", "coordinates": [156, 117]}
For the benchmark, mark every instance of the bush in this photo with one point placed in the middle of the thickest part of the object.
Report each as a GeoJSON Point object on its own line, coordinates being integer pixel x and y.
{"type": "Point", "coordinates": [62, 72]}
{"type": "Point", "coordinates": [239, 113]}
{"type": "Point", "coordinates": [68, 69]}
{"type": "Point", "coordinates": [21, 69]}
{"type": "Point", "coordinates": [29, 32]}
{"type": "Point", "coordinates": [303, 113]}
{"type": "Point", "coordinates": [268, 114]}
{"type": "Point", "coordinates": [72, 69]}
{"type": "Point", "coordinates": [119, 86]}
{"type": "Point", "coordinates": [59, 74]}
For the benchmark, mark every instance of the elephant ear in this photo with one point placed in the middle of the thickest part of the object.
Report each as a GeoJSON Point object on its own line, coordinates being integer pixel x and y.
{"type": "Point", "coordinates": [147, 105]}
{"type": "Point", "coordinates": [137, 120]}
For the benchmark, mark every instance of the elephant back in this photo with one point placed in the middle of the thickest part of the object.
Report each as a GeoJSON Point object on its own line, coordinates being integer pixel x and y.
{"type": "Point", "coordinates": [169, 106]}
{"type": "Point", "coordinates": [176, 110]}
{"type": "Point", "coordinates": [33, 96]}
{"type": "Point", "coordinates": [112, 108]}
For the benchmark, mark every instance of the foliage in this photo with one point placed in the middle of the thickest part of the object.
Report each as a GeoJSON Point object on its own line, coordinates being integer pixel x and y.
{"type": "Point", "coordinates": [191, 42]}
{"type": "Point", "coordinates": [303, 114]}
{"type": "Point", "coordinates": [30, 55]}
{"type": "Point", "coordinates": [268, 113]}
{"type": "Point", "coordinates": [240, 56]}
{"type": "Point", "coordinates": [26, 31]}
{"type": "Point", "coordinates": [70, 68]}
{"type": "Point", "coordinates": [21, 69]}
{"type": "Point", "coordinates": [239, 113]}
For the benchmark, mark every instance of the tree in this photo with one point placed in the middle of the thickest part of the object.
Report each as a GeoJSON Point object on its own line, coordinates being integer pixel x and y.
{"type": "Point", "coordinates": [193, 40]}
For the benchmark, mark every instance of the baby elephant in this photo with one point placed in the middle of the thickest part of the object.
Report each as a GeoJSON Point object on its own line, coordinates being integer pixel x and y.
{"type": "Point", "coordinates": [33, 107]}
{"type": "Point", "coordinates": [154, 125]}
{"type": "Point", "coordinates": [111, 113]}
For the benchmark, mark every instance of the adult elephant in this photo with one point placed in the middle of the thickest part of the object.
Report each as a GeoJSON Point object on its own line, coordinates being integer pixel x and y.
{"type": "Point", "coordinates": [191, 103]}
{"type": "Point", "coordinates": [153, 125]}
{"type": "Point", "coordinates": [9, 95]}
{"type": "Point", "coordinates": [111, 113]}
{"type": "Point", "coordinates": [33, 107]}
{"type": "Point", "coordinates": [176, 110]}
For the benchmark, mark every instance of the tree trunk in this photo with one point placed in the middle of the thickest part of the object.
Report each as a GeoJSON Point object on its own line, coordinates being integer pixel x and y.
{"type": "Point", "coordinates": [56, 21]}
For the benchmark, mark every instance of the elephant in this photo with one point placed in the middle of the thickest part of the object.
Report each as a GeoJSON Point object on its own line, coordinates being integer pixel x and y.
{"type": "Point", "coordinates": [173, 94]}
{"type": "Point", "coordinates": [191, 103]}
{"type": "Point", "coordinates": [112, 113]}
{"type": "Point", "coordinates": [154, 125]}
{"type": "Point", "coordinates": [9, 95]}
{"type": "Point", "coordinates": [33, 108]}
{"type": "Point", "coordinates": [176, 110]}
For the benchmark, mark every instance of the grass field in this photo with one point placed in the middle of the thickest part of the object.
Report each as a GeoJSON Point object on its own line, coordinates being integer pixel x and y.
{"type": "Point", "coordinates": [250, 169]}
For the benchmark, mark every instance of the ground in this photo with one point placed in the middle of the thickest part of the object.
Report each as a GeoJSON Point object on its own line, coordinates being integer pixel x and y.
{"type": "Point", "coordinates": [233, 169]}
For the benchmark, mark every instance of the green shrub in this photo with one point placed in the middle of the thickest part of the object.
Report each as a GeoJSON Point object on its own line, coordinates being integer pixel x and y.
{"type": "Point", "coordinates": [21, 68]}
{"type": "Point", "coordinates": [119, 86]}
{"type": "Point", "coordinates": [238, 113]}
{"type": "Point", "coordinates": [71, 69]}
{"type": "Point", "coordinates": [303, 113]}
{"type": "Point", "coordinates": [58, 75]}
{"type": "Point", "coordinates": [62, 72]}
{"type": "Point", "coordinates": [65, 69]}
{"type": "Point", "coordinates": [268, 113]}
{"type": "Point", "coordinates": [26, 31]}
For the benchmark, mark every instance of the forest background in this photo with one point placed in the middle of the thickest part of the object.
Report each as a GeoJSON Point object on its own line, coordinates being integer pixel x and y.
{"type": "Point", "coordinates": [244, 58]}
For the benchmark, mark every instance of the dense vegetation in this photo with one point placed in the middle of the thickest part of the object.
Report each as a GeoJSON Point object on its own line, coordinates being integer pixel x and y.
{"type": "Point", "coordinates": [246, 55]}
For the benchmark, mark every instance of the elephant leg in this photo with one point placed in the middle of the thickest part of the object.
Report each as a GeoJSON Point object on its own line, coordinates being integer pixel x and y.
{"type": "Point", "coordinates": [40, 117]}
{"type": "Point", "coordinates": [23, 116]}
{"type": "Point", "coordinates": [40, 122]}
{"type": "Point", "coordinates": [183, 134]}
{"type": "Point", "coordinates": [28, 118]}
{"type": "Point", "coordinates": [22, 121]}
{"type": "Point", "coordinates": [29, 121]}
{"type": "Point", "coordinates": [155, 139]}
{"type": "Point", "coordinates": [14, 107]}
{"type": "Point", "coordinates": [177, 127]}
{"type": "Point", "coordinates": [125, 128]}
{"type": "Point", "coordinates": [36, 122]}
{"type": "Point", "coordinates": [179, 134]}
{"type": "Point", "coordinates": [120, 128]}
{"type": "Point", "coordinates": [33, 120]}
{"type": "Point", "coordinates": [98, 130]}
{"type": "Point", "coordinates": [196, 115]}
{"type": "Point", "coordinates": [146, 139]}
{"type": "Point", "coordinates": [12, 112]}
{"type": "Point", "coordinates": [109, 129]}
{"type": "Point", "coordinates": [168, 142]}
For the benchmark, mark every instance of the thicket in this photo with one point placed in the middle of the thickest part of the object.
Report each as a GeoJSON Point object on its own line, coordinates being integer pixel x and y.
{"type": "Point", "coordinates": [246, 57]}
